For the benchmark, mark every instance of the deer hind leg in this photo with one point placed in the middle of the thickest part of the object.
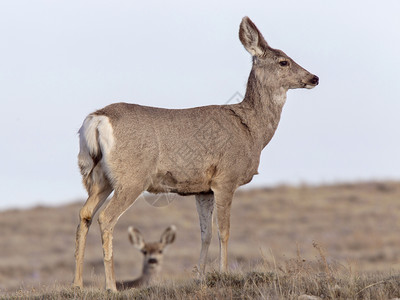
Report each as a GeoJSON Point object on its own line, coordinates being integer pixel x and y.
{"type": "Point", "coordinates": [98, 190]}
{"type": "Point", "coordinates": [205, 207]}
{"type": "Point", "coordinates": [223, 201]}
{"type": "Point", "coordinates": [119, 203]}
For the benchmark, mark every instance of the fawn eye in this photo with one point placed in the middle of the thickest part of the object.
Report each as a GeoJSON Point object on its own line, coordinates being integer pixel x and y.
{"type": "Point", "coordinates": [159, 251]}
{"type": "Point", "coordinates": [284, 63]}
{"type": "Point", "coordinates": [144, 252]}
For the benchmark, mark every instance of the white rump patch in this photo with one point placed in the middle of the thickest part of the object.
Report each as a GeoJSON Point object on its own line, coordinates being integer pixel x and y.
{"type": "Point", "coordinates": [106, 135]}
{"type": "Point", "coordinates": [96, 136]}
{"type": "Point", "coordinates": [106, 142]}
{"type": "Point", "coordinates": [88, 135]}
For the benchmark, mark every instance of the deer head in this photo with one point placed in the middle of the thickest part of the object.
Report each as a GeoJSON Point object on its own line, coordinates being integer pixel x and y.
{"type": "Point", "coordinates": [272, 67]}
{"type": "Point", "coordinates": [153, 252]}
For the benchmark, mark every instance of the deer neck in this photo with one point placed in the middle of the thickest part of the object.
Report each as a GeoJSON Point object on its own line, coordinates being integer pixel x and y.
{"type": "Point", "coordinates": [262, 107]}
{"type": "Point", "coordinates": [149, 274]}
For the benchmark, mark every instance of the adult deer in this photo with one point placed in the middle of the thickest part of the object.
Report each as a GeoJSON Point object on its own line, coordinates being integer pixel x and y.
{"type": "Point", "coordinates": [207, 151]}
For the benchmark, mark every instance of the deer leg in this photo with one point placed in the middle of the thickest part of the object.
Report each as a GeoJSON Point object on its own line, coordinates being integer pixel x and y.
{"type": "Point", "coordinates": [205, 206]}
{"type": "Point", "coordinates": [97, 195]}
{"type": "Point", "coordinates": [118, 204]}
{"type": "Point", "coordinates": [223, 201]}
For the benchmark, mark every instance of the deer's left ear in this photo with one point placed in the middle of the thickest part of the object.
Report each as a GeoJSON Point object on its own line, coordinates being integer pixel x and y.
{"type": "Point", "coordinates": [168, 236]}
{"type": "Point", "coordinates": [251, 38]}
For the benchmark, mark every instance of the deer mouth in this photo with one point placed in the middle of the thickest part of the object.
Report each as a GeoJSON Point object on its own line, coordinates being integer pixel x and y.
{"type": "Point", "coordinates": [313, 82]}
{"type": "Point", "coordinates": [152, 266]}
{"type": "Point", "coordinates": [309, 86]}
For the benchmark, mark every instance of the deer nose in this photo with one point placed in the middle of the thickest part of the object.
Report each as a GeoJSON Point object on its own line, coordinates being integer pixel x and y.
{"type": "Point", "coordinates": [315, 80]}
{"type": "Point", "coordinates": [152, 261]}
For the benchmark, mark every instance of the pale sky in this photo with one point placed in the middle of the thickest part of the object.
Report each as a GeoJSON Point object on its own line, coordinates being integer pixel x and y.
{"type": "Point", "coordinates": [61, 60]}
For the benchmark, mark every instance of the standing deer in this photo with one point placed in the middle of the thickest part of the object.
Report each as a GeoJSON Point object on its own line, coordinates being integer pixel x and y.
{"type": "Point", "coordinates": [204, 151]}
{"type": "Point", "coordinates": [153, 256]}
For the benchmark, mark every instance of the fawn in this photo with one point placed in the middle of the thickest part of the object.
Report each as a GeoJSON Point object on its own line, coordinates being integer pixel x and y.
{"type": "Point", "coordinates": [153, 256]}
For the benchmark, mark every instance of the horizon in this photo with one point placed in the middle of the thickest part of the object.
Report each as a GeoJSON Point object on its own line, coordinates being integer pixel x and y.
{"type": "Point", "coordinates": [244, 189]}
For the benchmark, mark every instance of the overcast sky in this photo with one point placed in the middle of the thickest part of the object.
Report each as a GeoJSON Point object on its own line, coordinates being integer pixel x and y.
{"type": "Point", "coordinates": [60, 60]}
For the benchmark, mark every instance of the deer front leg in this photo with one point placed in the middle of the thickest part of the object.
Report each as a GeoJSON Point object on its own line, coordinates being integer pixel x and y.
{"type": "Point", "coordinates": [205, 206]}
{"type": "Point", "coordinates": [223, 201]}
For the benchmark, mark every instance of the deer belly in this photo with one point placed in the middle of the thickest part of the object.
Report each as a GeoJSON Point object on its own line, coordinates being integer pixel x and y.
{"type": "Point", "coordinates": [166, 182]}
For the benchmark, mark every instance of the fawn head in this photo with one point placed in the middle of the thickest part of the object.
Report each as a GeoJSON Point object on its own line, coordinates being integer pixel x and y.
{"type": "Point", "coordinates": [272, 66]}
{"type": "Point", "coordinates": [153, 252]}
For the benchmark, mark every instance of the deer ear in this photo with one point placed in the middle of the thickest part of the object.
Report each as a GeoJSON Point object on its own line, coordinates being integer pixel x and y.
{"type": "Point", "coordinates": [136, 238]}
{"type": "Point", "coordinates": [168, 236]}
{"type": "Point", "coordinates": [252, 38]}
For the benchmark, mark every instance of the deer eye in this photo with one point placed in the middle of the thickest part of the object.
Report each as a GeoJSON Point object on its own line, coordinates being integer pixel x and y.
{"type": "Point", "coordinates": [160, 251]}
{"type": "Point", "coordinates": [284, 63]}
{"type": "Point", "coordinates": [144, 252]}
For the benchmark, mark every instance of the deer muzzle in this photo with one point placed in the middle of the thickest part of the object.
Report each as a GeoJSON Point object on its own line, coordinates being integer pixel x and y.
{"type": "Point", "coordinates": [312, 82]}
{"type": "Point", "coordinates": [153, 261]}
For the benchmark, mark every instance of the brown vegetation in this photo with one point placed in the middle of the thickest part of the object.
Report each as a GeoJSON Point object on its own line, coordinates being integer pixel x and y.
{"type": "Point", "coordinates": [338, 241]}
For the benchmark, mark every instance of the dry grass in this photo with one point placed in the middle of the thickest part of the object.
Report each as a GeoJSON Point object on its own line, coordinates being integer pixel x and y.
{"type": "Point", "coordinates": [335, 242]}
{"type": "Point", "coordinates": [243, 285]}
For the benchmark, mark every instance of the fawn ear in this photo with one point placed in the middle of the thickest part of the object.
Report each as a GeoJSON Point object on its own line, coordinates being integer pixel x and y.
{"type": "Point", "coordinates": [168, 236]}
{"type": "Point", "coordinates": [252, 38]}
{"type": "Point", "coordinates": [136, 238]}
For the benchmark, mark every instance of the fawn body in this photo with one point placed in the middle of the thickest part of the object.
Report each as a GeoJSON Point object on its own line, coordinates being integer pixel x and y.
{"type": "Point", "coordinates": [207, 151]}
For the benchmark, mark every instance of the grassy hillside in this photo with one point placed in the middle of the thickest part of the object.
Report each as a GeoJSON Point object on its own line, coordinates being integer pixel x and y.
{"type": "Point", "coordinates": [340, 241]}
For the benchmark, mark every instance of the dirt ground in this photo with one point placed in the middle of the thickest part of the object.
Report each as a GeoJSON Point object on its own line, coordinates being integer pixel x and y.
{"type": "Point", "coordinates": [356, 225]}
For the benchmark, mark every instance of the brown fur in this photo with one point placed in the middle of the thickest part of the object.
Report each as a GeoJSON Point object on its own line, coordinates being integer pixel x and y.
{"type": "Point", "coordinates": [210, 150]}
